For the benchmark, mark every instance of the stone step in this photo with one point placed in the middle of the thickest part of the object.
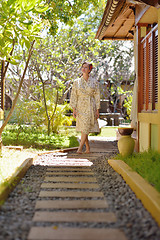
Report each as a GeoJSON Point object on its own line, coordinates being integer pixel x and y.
{"type": "Point", "coordinates": [81, 157]}
{"type": "Point", "coordinates": [70, 179]}
{"type": "Point", "coordinates": [64, 169]}
{"type": "Point", "coordinates": [75, 159]}
{"type": "Point", "coordinates": [54, 233]}
{"type": "Point", "coordinates": [71, 204]}
{"type": "Point", "coordinates": [93, 154]}
{"type": "Point", "coordinates": [73, 163]}
{"type": "Point", "coordinates": [71, 173]}
{"type": "Point", "coordinates": [71, 185]}
{"type": "Point", "coordinates": [74, 217]}
{"type": "Point", "coordinates": [71, 194]}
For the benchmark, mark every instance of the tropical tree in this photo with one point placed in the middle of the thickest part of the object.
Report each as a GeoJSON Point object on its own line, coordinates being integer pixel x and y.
{"type": "Point", "coordinates": [20, 23]}
{"type": "Point", "coordinates": [19, 27]}
{"type": "Point", "coordinates": [56, 61]}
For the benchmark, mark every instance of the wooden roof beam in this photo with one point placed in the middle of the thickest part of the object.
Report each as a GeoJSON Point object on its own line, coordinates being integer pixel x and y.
{"type": "Point", "coordinates": [154, 3]}
{"type": "Point", "coordinates": [118, 38]}
{"type": "Point", "coordinates": [122, 24]}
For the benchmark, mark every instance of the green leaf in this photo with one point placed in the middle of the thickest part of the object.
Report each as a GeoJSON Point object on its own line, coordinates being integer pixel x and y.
{"type": "Point", "coordinates": [27, 43]}
{"type": "Point", "coordinates": [10, 2]}
{"type": "Point", "coordinates": [27, 22]}
{"type": "Point", "coordinates": [41, 9]}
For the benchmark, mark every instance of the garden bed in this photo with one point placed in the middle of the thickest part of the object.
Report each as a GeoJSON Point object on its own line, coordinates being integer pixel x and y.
{"type": "Point", "coordinates": [141, 173]}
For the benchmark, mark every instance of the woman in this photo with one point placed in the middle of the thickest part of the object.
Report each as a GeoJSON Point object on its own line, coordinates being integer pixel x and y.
{"type": "Point", "coordinates": [85, 101]}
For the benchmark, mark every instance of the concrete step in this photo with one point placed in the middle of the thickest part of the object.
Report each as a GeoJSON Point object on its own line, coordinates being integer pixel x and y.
{"type": "Point", "coordinates": [71, 204]}
{"type": "Point", "coordinates": [71, 194]}
{"type": "Point", "coordinates": [51, 233]}
{"type": "Point", "coordinates": [70, 179]}
{"type": "Point", "coordinates": [107, 217]}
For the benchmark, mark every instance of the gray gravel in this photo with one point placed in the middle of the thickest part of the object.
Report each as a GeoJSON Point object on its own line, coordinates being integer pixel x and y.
{"type": "Point", "coordinates": [132, 217]}
{"type": "Point", "coordinates": [17, 212]}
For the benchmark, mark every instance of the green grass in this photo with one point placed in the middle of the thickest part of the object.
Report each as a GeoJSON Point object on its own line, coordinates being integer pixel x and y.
{"type": "Point", "coordinates": [105, 132]}
{"type": "Point", "coordinates": [146, 164]}
{"type": "Point", "coordinates": [30, 137]}
{"type": "Point", "coordinates": [108, 132]}
{"type": "Point", "coordinates": [10, 160]}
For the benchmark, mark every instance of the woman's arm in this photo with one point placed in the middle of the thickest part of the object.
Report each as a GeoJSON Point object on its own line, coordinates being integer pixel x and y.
{"type": "Point", "coordinates": [97, 99]}
{"type": "Point", "coordinates": [73, 99]}
{"type": "Point", "coordinates": [97, 113]}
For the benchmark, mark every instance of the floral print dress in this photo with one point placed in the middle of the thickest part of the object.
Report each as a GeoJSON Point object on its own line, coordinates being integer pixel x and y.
{"type": "Point", "coordinates": [85, 98]}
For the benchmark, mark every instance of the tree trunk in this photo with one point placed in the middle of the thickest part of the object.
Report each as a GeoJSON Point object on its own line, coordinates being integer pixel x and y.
{"type": "Point", "coordinates": [49, 126]}
{"type": "Point", "coordinates": [17, 95]}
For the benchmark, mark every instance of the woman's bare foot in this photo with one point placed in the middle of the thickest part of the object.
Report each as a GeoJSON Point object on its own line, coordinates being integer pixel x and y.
{"type": "Point", "coordinates": [79, 151]}
{"type": "Point", "coordinates": [87, 152]}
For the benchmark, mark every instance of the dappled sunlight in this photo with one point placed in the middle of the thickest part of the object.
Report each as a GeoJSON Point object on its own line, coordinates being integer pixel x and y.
{"type": "Point", "coordinates": [62, 159]}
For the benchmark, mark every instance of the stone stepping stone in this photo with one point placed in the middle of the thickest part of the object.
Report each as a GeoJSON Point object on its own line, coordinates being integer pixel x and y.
{"type": "Point", "coordinates": [76, 169]}
{"type": "Point", "coordinates": [70, 164]}
{"type": "Point", "coordinates": [70, 179]}
{"type": "Point", "coordinates": [71, 185]}
{"type": "Point", "coordinates": [75, 217]}
{"type": "Point", "coordinates": [85, 155]}
{"type": "Point", "coordinates": [60, 159]}
{"type": "Point", "coordinates": [102, 150]}
{"type": "Point", "coordinates": [71, 204]}
{"type": "Point", "coordinates": [71, 173]}
{"type": "Point", "coordinates": [71, 194]}
{"type": "Point", "coordinates": [54, 233]}
{"type": "Point", "coordinates": [82, 157]}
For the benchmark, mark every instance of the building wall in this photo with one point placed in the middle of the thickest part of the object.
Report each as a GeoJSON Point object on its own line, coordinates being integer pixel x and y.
{"type": "Point", "coordinates": [149, 122]}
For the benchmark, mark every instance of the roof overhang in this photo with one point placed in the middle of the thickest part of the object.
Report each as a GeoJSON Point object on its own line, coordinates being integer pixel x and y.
{"type": "Point", "coordinates": [154, 3]}
{"type": "Point", "coordinates": [118, 20]}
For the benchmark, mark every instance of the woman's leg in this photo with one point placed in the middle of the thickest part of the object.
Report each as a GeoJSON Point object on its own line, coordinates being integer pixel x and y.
{"type": "Point", "coordinates": [87, 145]}
{"type": "Point", "coordinates": [83, 140]}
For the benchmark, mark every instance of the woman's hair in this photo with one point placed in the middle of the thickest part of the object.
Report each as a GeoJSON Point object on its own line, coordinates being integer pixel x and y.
{"type": "Point", "coordinates": [90, 65]}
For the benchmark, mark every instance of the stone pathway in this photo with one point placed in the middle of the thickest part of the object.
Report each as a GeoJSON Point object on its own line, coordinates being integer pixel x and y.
{"type": "Point", "coordinates": [70, 195]}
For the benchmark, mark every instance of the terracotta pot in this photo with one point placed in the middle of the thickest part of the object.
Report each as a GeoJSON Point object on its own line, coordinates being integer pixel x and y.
{"type": "Point", "coordinates": [126, 143]}
{"type": "Point", "coordinates": [125, 131]}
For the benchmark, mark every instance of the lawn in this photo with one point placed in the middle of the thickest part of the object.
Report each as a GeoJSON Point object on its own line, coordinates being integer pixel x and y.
{"type": "Point", "coordinates": [10, 160]}
{"type": "Point", "coordinates": [31, 137]}
{"type": "Point", "coordinates": [146, 164]}
{"type": "Point", "coordinates": [105, 131]}
{"type": "Point", "coordinates": [108, 132]}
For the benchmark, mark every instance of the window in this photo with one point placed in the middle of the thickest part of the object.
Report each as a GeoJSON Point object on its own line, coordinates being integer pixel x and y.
{"type": "Point", "coordinates": [149, 71]}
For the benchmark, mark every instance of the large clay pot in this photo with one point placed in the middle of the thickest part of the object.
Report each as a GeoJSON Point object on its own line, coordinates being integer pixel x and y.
{"type": "Point", "coordinates": [126, 143]}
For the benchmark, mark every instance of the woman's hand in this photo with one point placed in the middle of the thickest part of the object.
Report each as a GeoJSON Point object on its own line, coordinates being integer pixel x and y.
{"type": "Point", "coordinates": [97, 113]}
{"type": "Point", "coordinates": [74, 113]}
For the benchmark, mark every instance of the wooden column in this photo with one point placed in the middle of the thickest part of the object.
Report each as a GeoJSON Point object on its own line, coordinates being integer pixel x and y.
{"type": "Point", "coordinates": [139, 69]}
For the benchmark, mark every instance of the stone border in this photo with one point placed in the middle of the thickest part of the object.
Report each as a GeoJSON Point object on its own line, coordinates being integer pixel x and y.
{"type": "Point", "coordinates": [6, 188]}
{"type": "Point", "coordinates": [148, 195]}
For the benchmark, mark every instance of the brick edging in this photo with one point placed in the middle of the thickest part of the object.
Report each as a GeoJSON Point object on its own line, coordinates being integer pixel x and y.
{"type": "Point", "coordinates": [148, 195]}
{"type": "Point", "coordinates": [11, 183]}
